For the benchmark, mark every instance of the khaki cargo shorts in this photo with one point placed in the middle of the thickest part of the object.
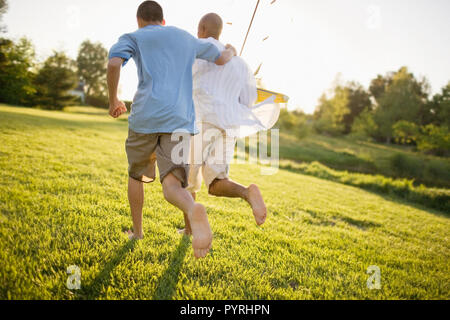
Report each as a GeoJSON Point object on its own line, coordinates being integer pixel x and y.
{"type": "Point", "coordinates": [145, 150]}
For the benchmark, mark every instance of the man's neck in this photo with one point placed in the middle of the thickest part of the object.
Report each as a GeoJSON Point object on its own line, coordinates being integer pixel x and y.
{"type": "Point", "coordinates": [214, 37]}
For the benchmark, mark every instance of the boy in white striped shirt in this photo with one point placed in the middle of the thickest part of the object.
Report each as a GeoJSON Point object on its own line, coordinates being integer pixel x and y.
{"type": "Point", "coordinates": [222, 98]}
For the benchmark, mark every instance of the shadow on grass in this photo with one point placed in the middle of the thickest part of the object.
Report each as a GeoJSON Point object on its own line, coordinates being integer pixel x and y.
{"type": "Point", "coordinates": [360, 224]}
{"type": "Point", "coordinates": [167, 283]}
{"type": "Point", "coordinates": [319, 219]}
{"type": "Point", "coordinates": [103, 279]}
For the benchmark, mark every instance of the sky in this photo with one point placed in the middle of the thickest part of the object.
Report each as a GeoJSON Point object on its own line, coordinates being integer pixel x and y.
{"type": "Point", "coordinates": [309, 42]}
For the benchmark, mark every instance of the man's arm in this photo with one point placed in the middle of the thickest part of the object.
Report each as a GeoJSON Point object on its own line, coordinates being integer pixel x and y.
{"type": "Point", "coordinates": [116, 107]}
{"type": "Point", "coordinates": [227, 55]}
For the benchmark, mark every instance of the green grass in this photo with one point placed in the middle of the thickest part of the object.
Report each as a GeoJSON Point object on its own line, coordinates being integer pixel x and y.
{"type": "Point", "coordinates": [63, 202]}
{"type": "Point", "coordinates": [346, 153]}
{"type": "Point", "coordinates": [401, 188]}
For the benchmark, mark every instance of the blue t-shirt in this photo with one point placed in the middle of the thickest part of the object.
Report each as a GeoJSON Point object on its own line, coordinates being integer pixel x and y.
{"type": "Point", "coordinates": [164, 57]}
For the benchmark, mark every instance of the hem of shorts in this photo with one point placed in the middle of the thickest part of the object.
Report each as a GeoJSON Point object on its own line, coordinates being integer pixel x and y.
{"type": "Point", "coordinates": [139, 180]}
{"type": "Point", "coordinates": [184, 184]}
{"type": "Point", "coordinates": [216, 177]}
{"type": "Point", "coordinates": [192, 189]}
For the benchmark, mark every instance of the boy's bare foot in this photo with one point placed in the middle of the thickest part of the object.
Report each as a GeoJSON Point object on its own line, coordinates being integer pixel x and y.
{"type": "Point", "coordinates": [132, 236]}
{"type": "Point", "coordinates": [201, 231]}
{"type": "Point", "coordinates": [256, 201]}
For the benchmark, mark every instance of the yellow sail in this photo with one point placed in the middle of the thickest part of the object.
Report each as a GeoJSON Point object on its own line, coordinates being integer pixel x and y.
{"type": "Point", "coordinates": [264, 94]}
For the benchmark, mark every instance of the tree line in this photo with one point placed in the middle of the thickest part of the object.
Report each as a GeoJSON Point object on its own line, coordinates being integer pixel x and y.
{"type": "Point", "coordinates": [47, 84]}
{"type": "Point", "coordinates": [396, 108]}
{"type": "Point", "coordinates": [26, 81]}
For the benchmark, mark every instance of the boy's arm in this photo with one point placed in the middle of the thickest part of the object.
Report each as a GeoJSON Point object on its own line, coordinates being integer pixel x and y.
{"type": "Point", "coordinates": [227, 55]}
{"type": "Point", "coordinates": [116, 107]}
{"type": "Point", "coordinates": [208, 51]}
{"type": "Point", "coordinates": [119, 55]}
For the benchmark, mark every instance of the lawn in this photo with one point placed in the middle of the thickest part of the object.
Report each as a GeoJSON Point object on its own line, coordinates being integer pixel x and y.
{"type": "Point", "coordinates": [63, 201]}
{"type": "Point", "coordinates": [345, 153]}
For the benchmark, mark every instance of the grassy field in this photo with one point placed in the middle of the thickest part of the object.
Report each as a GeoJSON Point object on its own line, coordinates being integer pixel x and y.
{"type": "Point", "coordinates": [353, 155]}
{"type": "Point", "coordinates": [63, 202]}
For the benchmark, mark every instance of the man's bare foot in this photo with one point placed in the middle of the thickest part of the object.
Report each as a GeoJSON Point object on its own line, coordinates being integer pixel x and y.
{"type": "Point", "coordinates": [185, 232]}
{"type": "Point", "coordinates": [201, 231]}
{"type": "Point", "coordinates": [132, 236]}
{"type": "Point", "coordinates": [256, 201]}
{"type": "Point", "coordinates": [187, 226]}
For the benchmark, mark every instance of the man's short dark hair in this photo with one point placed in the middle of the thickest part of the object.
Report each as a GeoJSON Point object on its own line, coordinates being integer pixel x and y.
{"type": "Point", "coordinates": [150, 11]}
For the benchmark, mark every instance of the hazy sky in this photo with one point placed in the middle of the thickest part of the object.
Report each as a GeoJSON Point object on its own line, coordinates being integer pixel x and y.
{"type": "Point", "coordinates": [309, 42]}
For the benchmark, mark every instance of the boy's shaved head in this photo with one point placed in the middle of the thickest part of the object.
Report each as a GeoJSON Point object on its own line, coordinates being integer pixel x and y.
{"type": "Point", "coordinates": [210, 26]}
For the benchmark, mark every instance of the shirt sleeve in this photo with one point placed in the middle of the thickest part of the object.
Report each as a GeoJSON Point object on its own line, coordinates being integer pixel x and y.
{"type": "Point", "coordinates": [248, 93]}
{"type": "Point", "coordinates": [125, 48]}
{"type": "Point", "coordinates": [207, 50]}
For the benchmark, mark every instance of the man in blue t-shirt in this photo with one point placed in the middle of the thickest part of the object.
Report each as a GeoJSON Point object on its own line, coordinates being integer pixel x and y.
{"type": "Point", "coordinates": [162, 106]}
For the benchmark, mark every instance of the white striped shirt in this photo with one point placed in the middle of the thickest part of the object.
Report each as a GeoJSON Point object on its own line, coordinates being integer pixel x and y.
{"type": "Point", "coordinates": [223, 95]}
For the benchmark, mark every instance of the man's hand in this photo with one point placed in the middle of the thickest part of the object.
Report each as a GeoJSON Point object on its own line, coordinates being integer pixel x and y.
{"type": "Point", "coordinates": [229, 46]}
{"type": "Point", "coordinates": [117, 108]}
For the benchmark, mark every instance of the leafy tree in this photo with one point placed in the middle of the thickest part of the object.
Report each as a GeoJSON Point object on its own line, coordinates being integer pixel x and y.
{"type": "Point", "coordinates": [364, 126]}
{"type": "Point", "coordinates": [91, 62]}
{"type": "Point", "coordinates": [358, 101]}
{"type": "Point", "coordinates": [340, 103]}
{"type": "Point", "coordinates": [3, 9]}
{"type": "Point", "coordinates": [379, 84]}
{"type": "Point", "coordinates": [294, 122]}
{"type": "Point", "coordinates": [406, 132]}
{"type": "Point", "coordinates": [335, 115]}
{"type": "Point", "coordinates": [402, 99]}
{"type": "Point", "coordinates": [330, 112]}
{"type": "Point", "coordinates": [17, 64]}
{"type": "Point", "coordinates": [435, 139]}
{"type": "Point", "coordinates": [54, 81]}
{"type": "Point", "coordinates": [438, 111]}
